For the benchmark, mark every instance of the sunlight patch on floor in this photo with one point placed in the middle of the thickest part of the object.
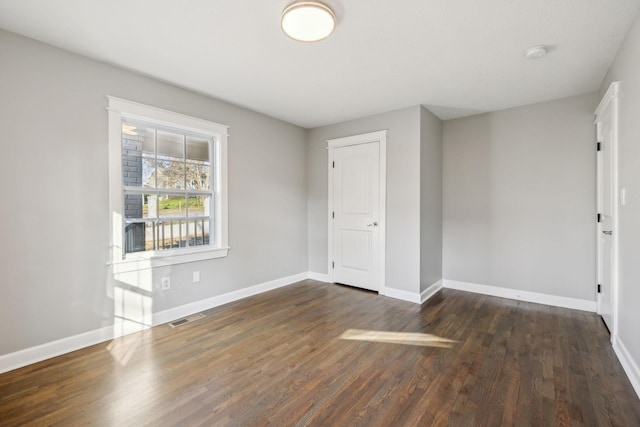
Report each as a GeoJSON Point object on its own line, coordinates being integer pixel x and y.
{"type": "Point", "coordinates": [122, 349]}
{"type": "Point", "coordinates": [408, 338]}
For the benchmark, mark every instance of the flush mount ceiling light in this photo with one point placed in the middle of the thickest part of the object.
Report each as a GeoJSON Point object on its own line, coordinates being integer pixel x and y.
{"type": "Point", "coordinates": [536, 52]}
{"type": "Point", "coordinates": [308, 21]}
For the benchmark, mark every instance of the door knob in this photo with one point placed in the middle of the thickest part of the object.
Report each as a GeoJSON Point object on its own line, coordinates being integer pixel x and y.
{"type": "Point", "coordinates": [608, 233]}
{"type": "Point", "coordinates": [373, 224]}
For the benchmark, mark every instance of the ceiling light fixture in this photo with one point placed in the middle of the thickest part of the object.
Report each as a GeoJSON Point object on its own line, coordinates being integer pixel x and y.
{"type": "Point", "coordinates": [536, 52]}
{"type": "Point", "coordinates": [308, 21]}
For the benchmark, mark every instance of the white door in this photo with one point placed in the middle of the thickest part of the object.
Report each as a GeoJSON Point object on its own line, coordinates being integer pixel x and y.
{"type": "Point", "coordinates": [355, 219]}
{"type": "Point", "coordinates": [607, 206]}
{"type": "Point", "coordinates": [605, 235]}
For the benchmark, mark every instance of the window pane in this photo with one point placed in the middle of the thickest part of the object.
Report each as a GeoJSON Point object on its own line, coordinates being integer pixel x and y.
{"type": "Point", "coordinates": [138, 206]}
{"type": "Point", "coordinates": [148, 170]}
{"type": "Point", "coordinates": [168, 234]}
{"type": "Point", "coordinates": [198, 232]}
{"type": "Point", "coordinates": [172, 206]}
{"type": "Point", "coordinates": [134, 237]}
{"type": "Point", "coordinates": [175, 233]}
{"type": "Point", "coordinates": [149, 206]}
{"type": "Point", "coordinates": [197, 150]}
{"type": "Point", "coordinates": [170, 146]}
{"type": "Point", "coordinates": [151, 236]}
{"type": "Point", "coordinates": [133, 206]}
{"type": "Point", "coordinates": [170, 174]}
{"type": "Point", "coordinates": [162, 235]}
{"type": "Point", "coordinates": [198, 177]}
{"type": "Point", "coordinates": [182, 232]}
{"type": "Point", "coordinates": [155, 235]}
{"type": "Point", "coordinates": [199, 206]}
{"type": "Point", "coordinates": [137, 155]}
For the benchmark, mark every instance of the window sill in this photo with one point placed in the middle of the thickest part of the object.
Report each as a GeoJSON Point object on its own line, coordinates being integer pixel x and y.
{"type": "Point", "coordinates": [137, 262]}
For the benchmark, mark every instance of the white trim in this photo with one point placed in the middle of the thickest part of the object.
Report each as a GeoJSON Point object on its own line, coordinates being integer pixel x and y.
{"type": "Point", "coordinates": [628, 364]}
{"type": "Point", "coordinates": [516, 294]}
{"type": "Point", "coordinates": [159, 116]}
{"type": "Point", "coordinates": [363, 138]}
{"type": "Point", "coordinates": [413, 297]}
{"type": "Point", "coordinates": [209, 303]}
{"type": "Point", "coordinates": [430, 291]}
{"type": "Point", "coordinates": [611, 94]}
{"type": "Point", "coordinates": [381, 138]}
{"type": "Point", "coordinates": [383, 211]}
{"type": "Point", "coordinates": [28, 356]}
{"type": "Point", "coordinates": [167, 259]}
{"type": "Point", "coordinates": [38, 353]}
{"type": "Point", "coordinates": [609, 102]}
{"type": "Point", "coordinates": [119, 108]}
{"type": "Point", "coordinates": [320, 277]}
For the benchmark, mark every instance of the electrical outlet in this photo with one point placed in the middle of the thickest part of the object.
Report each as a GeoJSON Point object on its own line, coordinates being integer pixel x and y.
{"type": "Point", "coordinates": [196, 276]}
{"type": "Point", "coordinates": [166, 283]}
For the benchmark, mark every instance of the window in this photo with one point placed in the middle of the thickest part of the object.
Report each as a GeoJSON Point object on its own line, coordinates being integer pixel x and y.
{"type": "Point", "coordinates": [167, 186]}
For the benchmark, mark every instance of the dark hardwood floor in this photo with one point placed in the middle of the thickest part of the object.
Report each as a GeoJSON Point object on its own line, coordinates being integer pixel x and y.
{"type": "Point", "coordinates": [278, 359]}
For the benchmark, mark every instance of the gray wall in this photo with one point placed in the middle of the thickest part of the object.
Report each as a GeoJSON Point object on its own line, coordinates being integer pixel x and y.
{"type": "Point", "coordinates": [430, 199]}
{"type": "Point", "coordinates": [403, 192]}
{"type": "Point", "coordinates": [54, 174]}
{"type": "Point", "coordinates": [626, 70]}
{"type": "Point", "coordinates": [519, 198]}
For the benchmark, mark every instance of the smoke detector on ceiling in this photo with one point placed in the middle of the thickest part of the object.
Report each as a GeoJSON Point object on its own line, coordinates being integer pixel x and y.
{"type": "Point", "coordinates": [536, 52]}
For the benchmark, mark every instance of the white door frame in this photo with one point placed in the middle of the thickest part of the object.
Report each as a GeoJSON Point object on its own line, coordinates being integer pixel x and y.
{"type": "Point", "coordinates": [381, 138]}
{"type": "Point", "coordinates": [609, 101]}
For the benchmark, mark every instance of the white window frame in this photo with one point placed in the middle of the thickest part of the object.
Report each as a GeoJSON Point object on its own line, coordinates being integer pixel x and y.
{"type": "Point", "coordinates": [218, 247]}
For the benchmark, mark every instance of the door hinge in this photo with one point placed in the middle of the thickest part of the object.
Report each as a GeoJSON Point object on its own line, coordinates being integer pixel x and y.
{"type": "Point", "coordinates": [333, 214]}
{"type": "Point", "coordinates": [333, 165]}
{"type": "Point", "coordinates": [333, 264]}
{"type": "Point", "coordinates": [599, 218]}
{"type": "Point", "coordinates": [599, 146]}
{"type": "Point", "coordinates": [599, 289]}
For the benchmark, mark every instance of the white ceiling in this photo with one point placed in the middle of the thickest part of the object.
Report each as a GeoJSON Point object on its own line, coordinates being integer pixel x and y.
{"type": "Point", "coordinates": [457, 57]}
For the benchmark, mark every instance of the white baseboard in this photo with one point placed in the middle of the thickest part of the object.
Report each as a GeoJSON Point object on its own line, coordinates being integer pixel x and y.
{"type": "Point", "coordinates": [28, 356]}
{"type": "Point", "coordinates": [417, 298]}
{"type": "Point", "coordinates": [628, 364]}
{"type": "Point", "coordinates": [386, 291]}
{"type": "Point", "coordinates": [320, 277]}
{"type": "Point", "coordinates": [402, 295]}
{"type": "Point", "coordinates": [209, 303]}
{"type": "Point", "coordinates": [391, 292]}
{"type": "Point", "coordinates": [38, 353]}
{"type": "Point", "coordinates": [430, 291]}
{"type": "Point", "coordinates": [553, 300]}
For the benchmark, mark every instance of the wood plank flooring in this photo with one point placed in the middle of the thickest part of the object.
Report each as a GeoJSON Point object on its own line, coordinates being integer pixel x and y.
{"type": "Point", "coordinates": [277, 359]}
